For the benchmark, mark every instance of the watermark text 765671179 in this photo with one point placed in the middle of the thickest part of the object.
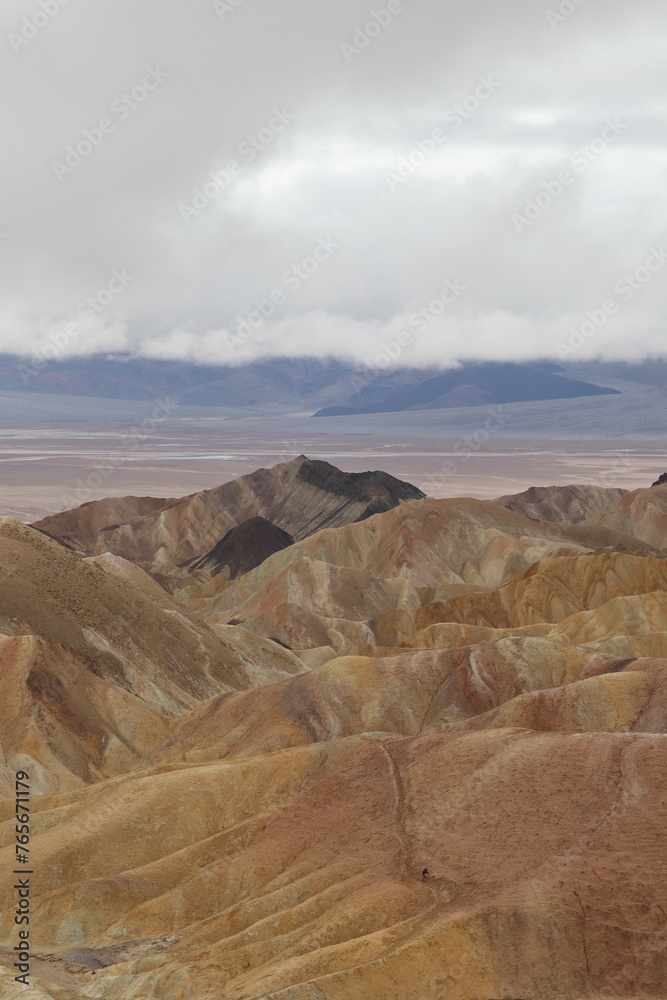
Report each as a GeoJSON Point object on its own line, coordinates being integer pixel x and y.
{"type": "Point", "coordinates": [23, 870]}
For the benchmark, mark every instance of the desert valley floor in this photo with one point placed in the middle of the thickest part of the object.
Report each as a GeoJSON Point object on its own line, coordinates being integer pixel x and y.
{"type": "Point", "coordinates": [44, 473]}
{"type": "Point", "coordinates": [56, 452]}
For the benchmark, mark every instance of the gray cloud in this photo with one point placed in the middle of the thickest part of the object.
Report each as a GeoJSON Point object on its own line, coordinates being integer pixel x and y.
{"type": "Point", "coordinates": [349, 127]}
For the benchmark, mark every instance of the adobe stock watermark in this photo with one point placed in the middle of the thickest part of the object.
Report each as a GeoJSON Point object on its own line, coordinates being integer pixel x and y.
{"type": "Point", "coordinates": [454, 118]}
{"type": "Point", "coordinates": [290, 451]}
{"type": "Point", "coordinates": [609, 478]}
{"type": "Point", "coordinates": [580, 160]}
{"type": "Point", "coordinates": [225, 7]}
{"type": "Point", "coordinates": [121, 109]}
{"type": "Point", "coordinates": [418, 322]}
{"type": "Point", "coordinates": [32, 24]}
{"type": "Point", "coordinates": [467, 447]}
{"type": "Point", "coordinates": [89, 309]}
{"type": "Point", "coordinates": [103, 470]}
{"type": "Point", "coordinates": [292, 279]}
{"type": "Point", "coordinates": [221, 180]}
{"type": "Point", "coordinates": [364, 34]}
{"type": "Point", "coordinates": [625, 289]}
{"type": "Point", "coordinates": [563, 13]}
{"type": "Point", "coordinates": [6, 572]}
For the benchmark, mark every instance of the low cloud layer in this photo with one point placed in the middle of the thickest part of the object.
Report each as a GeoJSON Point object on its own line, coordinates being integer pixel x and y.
{"type": "Point", "coordinates": [220, 181]}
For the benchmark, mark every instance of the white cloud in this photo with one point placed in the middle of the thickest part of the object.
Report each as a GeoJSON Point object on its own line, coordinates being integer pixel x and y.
{"type": "Point", "coordinates": [324, 175]}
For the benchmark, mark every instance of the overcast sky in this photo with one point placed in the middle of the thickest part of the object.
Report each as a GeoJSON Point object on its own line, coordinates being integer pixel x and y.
{"type": "Point", "coordinates": [499, 166]}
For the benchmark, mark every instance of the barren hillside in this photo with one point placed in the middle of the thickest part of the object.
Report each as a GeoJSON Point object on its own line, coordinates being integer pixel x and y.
{"type": "Point", "coordinates": [239, 777]}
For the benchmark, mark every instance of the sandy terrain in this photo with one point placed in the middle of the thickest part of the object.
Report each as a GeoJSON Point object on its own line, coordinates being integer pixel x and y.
{"type": "Point", "coordinates": [41, 475]}
{"type": "Point", "coordinates": [56, 452]}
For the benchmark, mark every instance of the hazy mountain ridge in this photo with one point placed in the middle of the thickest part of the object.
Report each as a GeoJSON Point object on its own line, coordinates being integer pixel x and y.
{"type": "Point", "coordinates": [287, 381]}
{"type": "Point", "coordinates": [312, 384]}
{"type": "Point", "coordinates": [471, 385]}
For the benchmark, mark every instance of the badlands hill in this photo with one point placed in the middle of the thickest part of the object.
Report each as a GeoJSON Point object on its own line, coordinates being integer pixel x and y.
{"type": "Point", "coordinates": [643, 512]}
{"type": "Point", "coordinates": [97, 659]}
{"type": "Point", "coordinates": [242, 549]}
{"type": "Point", "coordinates": [299, 497]}
{"type": "Point", "coordinates": [219, 817]}
{"type": "Point", "coordinates": [571, 504]}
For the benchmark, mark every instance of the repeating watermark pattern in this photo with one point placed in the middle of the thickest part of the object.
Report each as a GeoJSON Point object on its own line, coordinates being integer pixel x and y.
{"type": "Point", "coordinates": [293, 278]}
{"type": "Point", "coordinates": [610, 477]}
{"type": "Point", "coordinates": [32, 24]}
{"type": "Point", "coordinates": [554, 189]}
{"type": "Point", "coordinates": [248, 150]}
{"type": "Point", "coordinates": [6, 572]}
{"type": "Point", "coordinates": [453, 119]}
{"type": "Point", "coordinates": [88, 310]}
{"type": "Point", "coordinates": [364, 34]}
{"type": "Point", "coordinates": [225, 7]}
{"type": "Point", "coordinates": [466, 448]}
{"type": "Point", "coordinates": [625, 290]}
{"type": "Point", "coordinates": [290, 450]}
{"type": "Point", "coordinates": [563, 12]}
{"type": "Point", "coordinates": [418, 322]}
{"type": "Point", "coordinates": [131, 443]}
{"type": "Point", "coordinates": [121, 109]}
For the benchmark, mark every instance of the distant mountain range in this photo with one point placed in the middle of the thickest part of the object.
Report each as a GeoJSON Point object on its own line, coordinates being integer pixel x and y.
{"type": "Point", "coordinates": [281, 381]}
{"type": "Point", "coordinates": [328, 388]}
{"type": "Point", "coordinates": [471, 385]}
